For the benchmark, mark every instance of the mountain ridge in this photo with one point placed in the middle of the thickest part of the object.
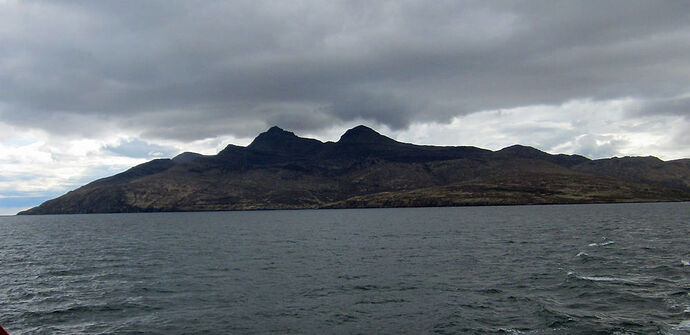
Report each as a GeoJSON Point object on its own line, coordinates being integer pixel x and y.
{"type": "Point", "coordinates": [280, 170]}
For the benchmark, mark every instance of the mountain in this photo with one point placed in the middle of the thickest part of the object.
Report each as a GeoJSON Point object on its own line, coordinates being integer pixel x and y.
{"type": "Point", "coordinates": [280, 170]}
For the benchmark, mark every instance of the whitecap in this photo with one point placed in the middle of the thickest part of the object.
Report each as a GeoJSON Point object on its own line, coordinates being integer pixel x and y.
{"type": "Point", "coordinates": [609, 279]}
{"type": "Point", "coordinates": [600, 278]}
{"type": "Point", "coordinates": [581, 254]}
{"type": "Point", "coordinates": [685, 262]}
{"type": "Point", "coordinates": [601, 244]}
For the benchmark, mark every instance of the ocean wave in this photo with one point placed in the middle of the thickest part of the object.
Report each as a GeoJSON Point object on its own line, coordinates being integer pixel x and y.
{"type": "Point", "coordinates": [584, 257]}
{"type": "Point", "coordinates": [683, 325]}
{"type": "Point", "coordinates": [610, 279]}
{"type": "Point", "coordinates": [601, 244]}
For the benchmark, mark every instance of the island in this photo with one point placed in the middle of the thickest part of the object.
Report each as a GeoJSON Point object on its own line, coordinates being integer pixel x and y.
{"type": "Point", "coordinates": [280, 170]}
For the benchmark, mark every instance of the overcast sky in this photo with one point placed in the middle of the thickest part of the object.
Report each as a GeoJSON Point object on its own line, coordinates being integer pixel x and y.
{"type": "Point", "coordinates": [89, 88]}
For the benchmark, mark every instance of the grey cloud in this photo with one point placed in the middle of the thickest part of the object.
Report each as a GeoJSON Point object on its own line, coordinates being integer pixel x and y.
{"type": "Point", "coordinates": [195, 69]}
{"type": "Point", "coordinates": [597, 146]}
{"type": "Point", "coordinates": [137, 148]}
{"type": "Point", "coordinates": [299, 117]}
{"type": "Point", "coordinates": [682, 139]}
{"type": "Point", "coordinates": [543, 137]}
{"type": "Point", "coordinates": [383, 108]}
{"type": "Point", "coordinates": [678, 106]}
{"type": "Point", "coordinates": [674, 106]}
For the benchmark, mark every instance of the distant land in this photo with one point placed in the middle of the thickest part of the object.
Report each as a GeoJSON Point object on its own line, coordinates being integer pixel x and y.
{"type": "Point", "coordinates": [280, 170]}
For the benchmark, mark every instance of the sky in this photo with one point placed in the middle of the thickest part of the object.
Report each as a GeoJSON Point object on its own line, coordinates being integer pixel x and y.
{"type": "Point", "coordinates": [90, 88]}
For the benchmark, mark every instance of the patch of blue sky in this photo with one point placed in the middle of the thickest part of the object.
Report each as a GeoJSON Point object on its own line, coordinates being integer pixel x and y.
{"type": "Point", "coordinates": [16, 178]}
{"type": "Point", "coordinates": [20, 142]}
{"type": "Point", "coordinates": [22, 202]}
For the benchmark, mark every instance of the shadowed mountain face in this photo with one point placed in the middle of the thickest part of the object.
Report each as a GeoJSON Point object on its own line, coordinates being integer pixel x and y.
{"type": "Point", "coordinates": [281, 142]}
{"type": "Point", "coordinates": [280, 170]}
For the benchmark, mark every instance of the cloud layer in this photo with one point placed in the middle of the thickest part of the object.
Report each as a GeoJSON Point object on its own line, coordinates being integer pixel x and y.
{"type": "Point", "coordinates": [197, 69]}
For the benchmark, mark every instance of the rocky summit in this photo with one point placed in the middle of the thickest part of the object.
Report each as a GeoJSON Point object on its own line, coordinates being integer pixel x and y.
{"type": "Point", "coordinates": [280, 170]}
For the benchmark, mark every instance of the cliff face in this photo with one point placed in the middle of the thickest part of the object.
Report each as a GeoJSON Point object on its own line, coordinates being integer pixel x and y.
{"type": "Point", "coordinates": [366, 169]}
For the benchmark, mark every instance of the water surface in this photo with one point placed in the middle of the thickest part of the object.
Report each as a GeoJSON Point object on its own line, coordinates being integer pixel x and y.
{"type": "Point", "coordinates": [576, 269]}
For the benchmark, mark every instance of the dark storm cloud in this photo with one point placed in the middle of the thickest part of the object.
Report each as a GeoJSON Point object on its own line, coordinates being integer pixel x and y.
{"type": "Point", "coordinates": [193, 69]}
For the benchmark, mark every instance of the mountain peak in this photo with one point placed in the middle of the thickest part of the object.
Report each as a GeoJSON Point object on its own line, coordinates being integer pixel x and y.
{"type": "Point", "coordinates": [272, 137]}
{"type": "Point", "coordinates": [186, 157]}
{"type": "Point", "coordinates": [275, 139]}
{"type": "Point", "coordinates": [523, 151]}
{"type": "Point", "coordinates": [277, 130]}
{"type": "Point", "coordinates": [364, 135]}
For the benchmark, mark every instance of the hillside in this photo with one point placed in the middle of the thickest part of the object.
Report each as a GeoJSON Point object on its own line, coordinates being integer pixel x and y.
{"type": "Point", "coordinates": [280, 170]}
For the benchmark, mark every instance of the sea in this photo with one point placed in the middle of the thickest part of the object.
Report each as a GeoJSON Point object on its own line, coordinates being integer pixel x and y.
{"type": "Point", "coordinates": [558, 269]}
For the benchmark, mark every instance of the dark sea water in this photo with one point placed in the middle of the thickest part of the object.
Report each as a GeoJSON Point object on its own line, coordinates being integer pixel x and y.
{"type": "Point", "coordinates": [578, 269]}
